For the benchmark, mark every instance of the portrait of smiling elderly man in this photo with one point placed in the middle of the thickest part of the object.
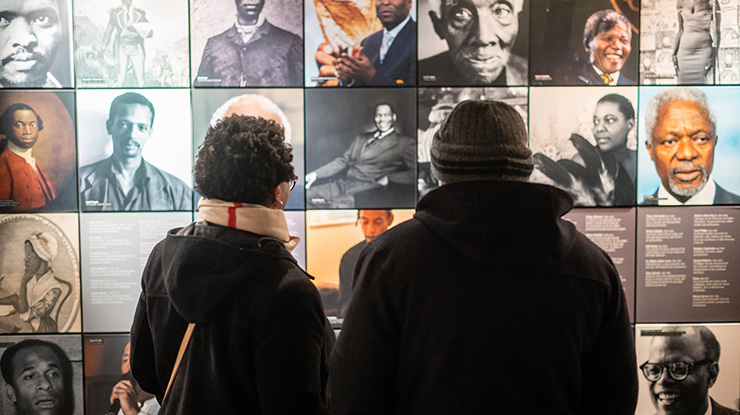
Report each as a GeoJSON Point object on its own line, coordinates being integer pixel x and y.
{"type": "Point", "coordinates": [31, 33]}
{"type": "Point", "coordinates": [480, 35]}
{"type": "Point", "coordinates": [606, 39]}
{"type": "Point", "coordinates": [683, 365]}
{"type": "Point", "coordinates": [682, 139]}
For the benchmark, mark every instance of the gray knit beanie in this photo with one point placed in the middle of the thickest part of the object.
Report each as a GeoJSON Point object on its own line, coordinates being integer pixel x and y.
{"type": "Point", "coordinates": [481, 140]}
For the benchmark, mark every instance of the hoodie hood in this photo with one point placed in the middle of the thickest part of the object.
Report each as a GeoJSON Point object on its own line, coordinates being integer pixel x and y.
{"type": "Point", "coordinates": [502, 223]}
{"type": "Point", "coordinates": [203, 264]}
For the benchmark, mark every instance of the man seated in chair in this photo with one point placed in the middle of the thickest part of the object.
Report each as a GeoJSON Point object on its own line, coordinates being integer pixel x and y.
{"type": "Point", "coordinates": [374, 160]}
{"type": "Point", "coordinates": [39, 292]}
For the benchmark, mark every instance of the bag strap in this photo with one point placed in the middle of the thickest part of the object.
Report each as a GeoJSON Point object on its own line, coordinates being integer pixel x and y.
{"type": "Point", "coordinates": [180, 354]}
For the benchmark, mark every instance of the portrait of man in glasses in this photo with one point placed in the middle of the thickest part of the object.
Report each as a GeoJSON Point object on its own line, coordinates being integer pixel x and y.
{"type": "Point", "coordinates": [682, 366]}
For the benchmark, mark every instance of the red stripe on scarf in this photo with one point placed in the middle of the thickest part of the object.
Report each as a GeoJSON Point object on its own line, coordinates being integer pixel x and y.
{"type": "Point", "coordinates": [232, 215]}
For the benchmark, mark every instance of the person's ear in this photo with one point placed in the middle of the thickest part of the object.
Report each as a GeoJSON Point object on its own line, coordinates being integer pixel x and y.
{"type": "Point", "coordinates": [10, 391]}
{"type": "Point", "coordinates": [713, 369]}
{"type": "Point", "coordinates": [277, 200]}
{"type": "Point", "coordinates": [649, 149]}
{"type": "Point", "coordinates": [631, 123]}
{"type": "Point", "coordinates": [439, 27]}
{"type": "Point", "coordinates": [108, 125]}
{"type": "Point", "coordinates": [390, 219]}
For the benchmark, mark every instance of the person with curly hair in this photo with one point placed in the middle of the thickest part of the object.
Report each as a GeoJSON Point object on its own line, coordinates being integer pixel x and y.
{"type": "Point", "coordinates": [261, 339]}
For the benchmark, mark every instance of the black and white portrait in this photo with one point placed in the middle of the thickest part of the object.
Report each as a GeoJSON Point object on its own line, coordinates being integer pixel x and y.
{"type": "Point", "coordinates": [39, 274]}
{"type": "Point", "coordinates": [38, 164]}
{"type": "Point", "coordinates": [689, 369]}
{"type": "Point", "coordinates": [285, 106]}
{"type": "Point", "coordinates": [584, 141]}
{"type": "Point", "coordinates": [35, 44]}
{"type": "Point", "coordinates": [584, 42]}
{"type": "Point", "coordinates": [131, 43]}
{"type": "Point", "coordinates": [42, 375]}
{"type": "Point", "coordinates": [135, 150]}
{"type": "Point", "coordinates": [361, 148]}
{"type": "Point", "coordinates": [473, 42]}
{"type": "Point", "coordinates": [436, 103]}
{"type": "Point", "coordinates": [246, 43]}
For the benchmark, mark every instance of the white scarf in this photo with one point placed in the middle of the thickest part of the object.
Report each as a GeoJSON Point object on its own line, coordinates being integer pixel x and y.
{"type": "Point", "coordinates": [247, 217]}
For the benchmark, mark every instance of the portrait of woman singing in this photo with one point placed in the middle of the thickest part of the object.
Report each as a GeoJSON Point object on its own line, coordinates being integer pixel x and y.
{"type": "Point", "coordinates": [697, 41]}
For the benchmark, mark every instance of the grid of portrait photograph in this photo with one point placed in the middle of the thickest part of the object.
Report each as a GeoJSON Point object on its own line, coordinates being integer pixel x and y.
{"type": "Point", "coordinates": [631, 108]}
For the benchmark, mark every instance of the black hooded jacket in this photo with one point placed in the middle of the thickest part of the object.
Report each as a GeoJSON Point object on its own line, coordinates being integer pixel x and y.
{"type": "Point", "coordinates": [487, 301]}
{"type": "Point", "coordinates": [261, 339]}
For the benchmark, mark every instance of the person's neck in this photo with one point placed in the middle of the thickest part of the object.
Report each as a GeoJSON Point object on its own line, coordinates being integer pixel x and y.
{"type": "Point", "coordinates": [395, 25]}
{"type": "Point", "coordinates": [126, 166]}
{"type": "Point", "coordinates": [247, 21]}
{"type": "Point", "coordinates": [622, 154]}
{"type": "Point", "coordinates": [43, 269]}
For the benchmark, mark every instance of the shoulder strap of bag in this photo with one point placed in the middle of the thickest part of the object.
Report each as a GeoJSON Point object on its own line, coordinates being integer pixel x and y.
{"type": "Point", "coordinates": [180, 353]}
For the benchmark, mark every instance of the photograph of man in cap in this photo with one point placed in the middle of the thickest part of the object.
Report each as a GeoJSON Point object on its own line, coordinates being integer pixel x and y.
{"type": "Point", "coordinates": [486, 264]}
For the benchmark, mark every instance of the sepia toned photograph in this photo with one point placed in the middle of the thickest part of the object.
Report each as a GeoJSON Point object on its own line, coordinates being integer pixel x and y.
{"type": "Point", "coordinates": [688, 369]}
{"type": "Point", "coordinates": [689, 42]}
{"type": "Point", "coordinates": [246, 43]}
{"type": "Point", "coordinates": [584, 141]}
{"type": "Point", "coordinates": [284, 106]}
{"type": "Point", "coordinates": [346, 45]}
{"type": "Point", "coordinates": [39, 274]}
{"type": "Point", "coordinates": [335, 240]}
{"type": "Point", "coordinates": [41, 375]}
{"type": "Point", "coordinates": [436, 103]}
{"type": "Point", "coordinates": [368, 163]}
{"type": "Point", "coordinates": [36, 44]}
{"type": "Point", "coordinates": [473, 42]}
{"type": "Point", "coordinates": [38, 157]}
{"type": "Point", "coordinates": [129, 159]}
{"type": "Point", "coordinates": [584, 42]}
{"type": "Point", "coordinates": [109, 385]}
{"type": "Point", "coordinates": [131, 43]}
{"type": "Point", "coordinates": [699, 167]}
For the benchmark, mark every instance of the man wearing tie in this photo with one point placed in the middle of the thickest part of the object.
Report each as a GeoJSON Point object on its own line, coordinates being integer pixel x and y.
{"type": "Point", "coordinates": [372, 161]}
{"type": "Point", "coordinates": [386, 57]}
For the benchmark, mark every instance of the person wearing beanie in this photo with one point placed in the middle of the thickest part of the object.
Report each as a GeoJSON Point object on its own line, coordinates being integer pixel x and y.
{"type": "Point", "coordinates": [487, 301]}
{"type": "Point", "coordinates": [34, 306]}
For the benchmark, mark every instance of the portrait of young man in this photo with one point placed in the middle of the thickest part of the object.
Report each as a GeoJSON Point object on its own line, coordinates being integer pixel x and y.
{"type": "Point", "coordinates": [115, 172]}
{"type": "Point", "coordinates": [35, 44]}
{"type": "Point", "coordinates": [259, 46]}
{"type": "Point", "coordinates": [37, 151]}
{"type": "Point", "coordinates": [482, 43]}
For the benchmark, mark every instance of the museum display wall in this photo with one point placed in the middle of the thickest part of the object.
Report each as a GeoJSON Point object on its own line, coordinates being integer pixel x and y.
{"type": "Point", "coordinates": [630, 105]}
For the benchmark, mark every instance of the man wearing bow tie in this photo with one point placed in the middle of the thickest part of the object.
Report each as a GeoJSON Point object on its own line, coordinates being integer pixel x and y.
{"type": "Point", "coordinates": [372, 161]}
{"type": "Point", "coordinates": [253, 52]}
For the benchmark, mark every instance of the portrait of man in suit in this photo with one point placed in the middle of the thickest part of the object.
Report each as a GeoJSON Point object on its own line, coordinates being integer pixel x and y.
{"type": "Point", "coordinates": [376, 162]}
{"type": "Point", "coordinates": [682, 140]}
{"type": "Point", "coordinates": [252, 52]}
{"type": "Point", "coordinates": [386, 57]}
{"type": "Point", "coordinates": [606, 39]}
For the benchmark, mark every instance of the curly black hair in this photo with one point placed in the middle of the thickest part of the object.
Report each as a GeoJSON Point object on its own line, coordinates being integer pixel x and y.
{"type": "Point", "coordinates": [242, 159]}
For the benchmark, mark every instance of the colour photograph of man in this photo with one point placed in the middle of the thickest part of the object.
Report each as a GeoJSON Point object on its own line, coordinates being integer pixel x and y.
{"type": "Point", "coordinates": [33, 35]}
{"type": "Point", "coordinates": [259, 46]}
{"type": "Point", "coordinates": [686, 139]}
{"type": "Point", "coordinates": [584, 43]}
{"type": "Point", "coordinates": [39, 274]}
{"type": "Point", "coordinates": [131, 43]}
{"type": "Point", "coordinates": [37, 152]}
{"type": "Point", "coordinates": [585, 142]}
{"type": "Point", "coordinates": [686, 370]}
{"type": "Point", "coordinates": [481, 43]}
{"type": "Point", "coordinates": [125, 180]}
{"type": "Point", "coordinates": [335, 240]}
{"type": "Point", "coordinates": [360, 43]}
{"type": "Point", "coordinates": [282, 105]}
{"type": "Point", "coordinates": [374, 169]}
{"type": "Point", "coordinates": [41, 375]}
